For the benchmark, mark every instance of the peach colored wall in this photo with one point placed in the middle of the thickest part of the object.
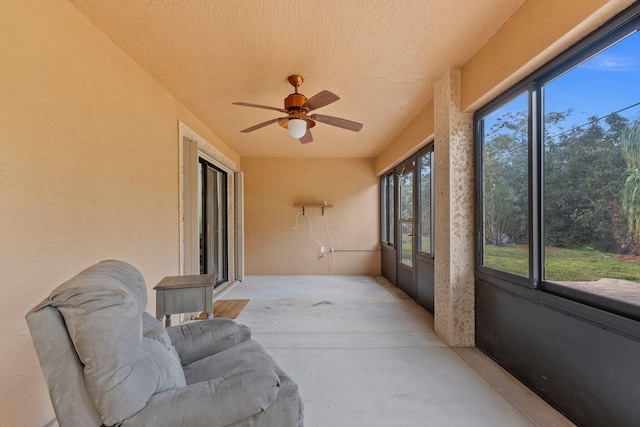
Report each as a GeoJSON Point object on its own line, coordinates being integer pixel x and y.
{"type": "Point", "coordinates": [273, 186]}
{"type": "Point", "coordinates": [417, 133]}
{"type": "Point", "coordinates": [88, 171]}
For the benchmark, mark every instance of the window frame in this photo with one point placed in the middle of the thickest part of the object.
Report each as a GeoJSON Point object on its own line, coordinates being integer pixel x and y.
{"type": "Point", "coordinates": [621, 26]}
{"type": "Point", "coordinates": [384, 210]}
{"type": "Point", "coordinates": [481, 269]}
{"type": "Point", "coordinates": [403, 222]}
{"type": "Point", "coordinates": [387, 210]}
{"type": "Point", "coordinates": [419, 156]}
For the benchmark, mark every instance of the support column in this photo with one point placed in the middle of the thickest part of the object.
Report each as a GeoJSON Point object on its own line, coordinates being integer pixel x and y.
{"type": "Point", "coordinates": [454, 215]}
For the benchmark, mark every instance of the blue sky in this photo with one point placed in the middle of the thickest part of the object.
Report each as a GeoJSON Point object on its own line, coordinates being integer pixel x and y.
{"type": "Point", "coordinates": [607, 82]}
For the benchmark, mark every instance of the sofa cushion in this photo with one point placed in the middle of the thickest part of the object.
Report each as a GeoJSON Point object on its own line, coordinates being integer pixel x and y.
{"type": "Point", "coordinates": [103, 309]}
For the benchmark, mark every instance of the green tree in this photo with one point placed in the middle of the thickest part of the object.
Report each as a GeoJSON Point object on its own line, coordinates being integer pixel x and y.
{"type": "Point", "coordinates": [630, 195]}
{"type": "Point", "coordinates": [582, 169]}
{"type": "Point", "coordinates": [506, 178]}
{"type": "Point", "coordinates": [502, 215]}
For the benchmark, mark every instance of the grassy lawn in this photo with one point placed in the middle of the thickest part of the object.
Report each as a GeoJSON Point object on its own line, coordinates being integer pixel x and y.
{"type": "Point", "coordinates": [563, 264]}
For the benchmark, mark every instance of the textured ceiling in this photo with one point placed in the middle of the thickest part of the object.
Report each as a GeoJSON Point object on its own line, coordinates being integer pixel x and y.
{"type": "Point", "coordinates": [382, 57]}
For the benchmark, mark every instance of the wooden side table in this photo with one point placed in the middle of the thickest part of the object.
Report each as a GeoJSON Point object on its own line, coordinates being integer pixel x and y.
{"type": "Point", "coordinates": [184, 294]}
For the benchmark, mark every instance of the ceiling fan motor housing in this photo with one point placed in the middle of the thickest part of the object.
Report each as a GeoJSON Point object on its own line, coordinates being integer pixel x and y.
{"type": "Point", "coordinates": [293, 104]}
{"type": "Point", "coordinates": [294, 101]}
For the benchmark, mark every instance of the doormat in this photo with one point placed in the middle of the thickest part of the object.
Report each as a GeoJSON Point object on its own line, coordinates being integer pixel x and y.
{"type": "Point", "coordinates": [228, 308]}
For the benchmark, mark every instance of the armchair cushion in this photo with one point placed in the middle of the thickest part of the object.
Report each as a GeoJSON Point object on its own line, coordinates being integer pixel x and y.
{"type": "Point", "coordinates": [195, 341]}
{"type": "Point", "coordinates": [216, 402]}
{"type": "Point", "coordinates": [102, 308]}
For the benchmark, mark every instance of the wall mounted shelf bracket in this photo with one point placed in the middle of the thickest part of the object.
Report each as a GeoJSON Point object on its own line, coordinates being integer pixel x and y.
{"type": "Point", "coordinates": [312, 206]}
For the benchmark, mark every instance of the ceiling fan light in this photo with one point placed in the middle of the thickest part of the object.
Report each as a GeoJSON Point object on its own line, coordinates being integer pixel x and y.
{"type": "Point", "coordinates": [297, 128]}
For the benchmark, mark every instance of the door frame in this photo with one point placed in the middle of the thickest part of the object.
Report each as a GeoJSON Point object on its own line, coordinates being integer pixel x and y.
{"type": "Point", "coordinates": [417, 281]}
{"type": "Point", "coordinates": [406, 273]}
{"type": "Point", "coordinates": [425, 261]}
{"type": "Point", "coordinates": [191, 147]}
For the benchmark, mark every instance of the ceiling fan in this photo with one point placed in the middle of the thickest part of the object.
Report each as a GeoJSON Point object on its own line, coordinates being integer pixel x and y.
{"type": "Point", "coordinates": [297, 107]}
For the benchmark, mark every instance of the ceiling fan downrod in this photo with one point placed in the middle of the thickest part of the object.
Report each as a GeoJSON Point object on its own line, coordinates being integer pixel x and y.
{"type": "Point", "coordinates": [295, 81]}
{"type": "Point", "coordinates": [294, 102]}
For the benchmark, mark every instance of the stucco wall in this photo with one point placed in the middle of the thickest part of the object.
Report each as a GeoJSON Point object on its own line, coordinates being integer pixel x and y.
{"type": "Point", "coordinates": [274, 186]}
{"type": "Point", "coordinates": [418, 133]}
{"type": "Point", "coordinates": [88, 171]}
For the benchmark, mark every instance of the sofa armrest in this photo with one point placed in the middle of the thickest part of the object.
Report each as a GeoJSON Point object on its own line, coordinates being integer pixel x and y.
{"type": "Point", "coordinates": [215, 403]}
{"type": "Point", "coordinates": [195, 341]}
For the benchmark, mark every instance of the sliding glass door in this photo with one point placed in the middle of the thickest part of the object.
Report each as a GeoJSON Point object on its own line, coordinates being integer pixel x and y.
{"type": "Point", "coordinates": [212, 218]}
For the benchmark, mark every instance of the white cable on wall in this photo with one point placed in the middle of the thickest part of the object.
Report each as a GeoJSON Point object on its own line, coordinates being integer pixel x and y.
{"type": "Point", "coordinates": [333, 253]}
{"type": "Point", "coordinates": [310, 229]}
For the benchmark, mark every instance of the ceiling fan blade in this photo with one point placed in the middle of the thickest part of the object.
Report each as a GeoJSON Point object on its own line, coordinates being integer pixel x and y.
{"type": "Point", "coordinates": [261, 125]}
{"type": "Point", "coordinates": [337, 121]}
{"type": "Point", "coordinates": [307, 138]}
{"type": "Point", "coordinates": [320, 99]}
{"type": "Point", "coordinates": [266, 107]}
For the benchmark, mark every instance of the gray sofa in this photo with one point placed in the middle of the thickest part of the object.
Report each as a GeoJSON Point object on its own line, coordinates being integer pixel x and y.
{"type": "Point", "coordinates": [109, 363]}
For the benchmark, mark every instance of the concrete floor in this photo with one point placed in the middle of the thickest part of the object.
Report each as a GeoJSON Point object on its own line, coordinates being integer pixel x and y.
{"type": "Point", "coordinates": [364, 354]}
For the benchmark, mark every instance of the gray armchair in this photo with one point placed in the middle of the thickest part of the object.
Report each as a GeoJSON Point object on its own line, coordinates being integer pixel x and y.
{"type": "Point", "coordinates": [108, 362]}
